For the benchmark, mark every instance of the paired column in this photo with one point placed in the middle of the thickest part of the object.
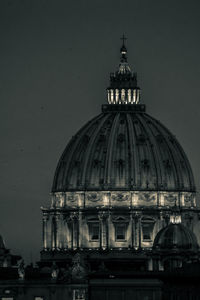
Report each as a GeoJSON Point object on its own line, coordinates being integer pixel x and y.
{"type": "Point", "coordinates": [60, 230]}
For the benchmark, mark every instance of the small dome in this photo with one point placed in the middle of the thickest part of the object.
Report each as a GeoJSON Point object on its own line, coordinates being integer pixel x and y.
{"type": "Point", "coordinates": [175, 236]}
{"type": "Point", "coordinates": [123, 148]}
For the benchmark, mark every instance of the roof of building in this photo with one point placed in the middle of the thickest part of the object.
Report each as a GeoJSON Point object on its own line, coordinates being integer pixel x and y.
{"type": "Point", "coordinates": [123, 148]}
{"type": "Point", "coordinates": [175, 236]}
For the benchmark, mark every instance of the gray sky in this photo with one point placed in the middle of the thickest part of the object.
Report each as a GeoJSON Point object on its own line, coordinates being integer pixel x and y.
{"type": "Point", "coordinates": [55, 60]}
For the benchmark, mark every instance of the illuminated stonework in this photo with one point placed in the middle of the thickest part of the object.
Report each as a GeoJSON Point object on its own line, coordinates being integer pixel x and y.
{"type": "Point", "coordinates": [121, 179]}
{"type": "Point", "coordinates": [130, 199]}
{"type": "Point", "coordinates": [123, 87]}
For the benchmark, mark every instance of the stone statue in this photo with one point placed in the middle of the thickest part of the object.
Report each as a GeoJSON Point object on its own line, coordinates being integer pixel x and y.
{"type": "Point", "coordinates": [54, 271]}
{"type": "Point", "coordinates": [78, 268]}
{"type": "Point", "coordinates": [21, 270]}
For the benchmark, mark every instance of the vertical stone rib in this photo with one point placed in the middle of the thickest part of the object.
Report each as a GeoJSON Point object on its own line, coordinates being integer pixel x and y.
{"type": "Point", "coordinates": [128, 156]}
{"type": "Point", "coordinates": [175, 156]}
{"type": "Point", "coordinates": [110, 153]}
{"type": "Point", "coordinates": [134, 170]}
{"type": "Point", "coordinates": [154, 152]}
{"type": "Point", "coordinates": [69, 152]}
{"type": "Point", "coordinates": [169, 150]}
{"type": "Point", "coordinates": [90, 149]}
{"type": "Point", "coordinates": [187, 166]}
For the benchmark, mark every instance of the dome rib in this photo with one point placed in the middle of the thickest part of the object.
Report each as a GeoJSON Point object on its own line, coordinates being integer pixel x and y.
{"type": "Point", "coordinates": [187, 165]}
{"type": "Point", "coordinates": [123, 149]}
{"type": "Point", "coordinates": [108, 164]}
{"type": "Point", "coordinates": [74, 171]}
{"type": "Point", "coordinates": [178, 155]}
{"type": "Point", "coordinates": [61, 173]}
{"type": "Point", "coordinates": [153, 151]}
{"type": "Point", "coordinates": [170, 152]}
{"type": "Point", "coordinates": [90, 150]}
{"type": "Point", "coordinates": [133, 154]}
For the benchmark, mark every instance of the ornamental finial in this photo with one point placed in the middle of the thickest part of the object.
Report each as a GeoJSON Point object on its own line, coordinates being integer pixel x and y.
{"type": "Point", "coordinates": [123, 49]}
{"type": "Point", "coordinates": [123, 38]}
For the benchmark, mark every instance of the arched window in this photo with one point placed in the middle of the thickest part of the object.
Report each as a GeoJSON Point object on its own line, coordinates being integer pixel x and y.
{"type": "Point", "coordinates": [117, 95]}
{"type": "Point", "coordinates": [123, 95]}
{"type": "Point", "coordinates": [129, 95]}
{"type": "Point", "coordinates": [111, 96]}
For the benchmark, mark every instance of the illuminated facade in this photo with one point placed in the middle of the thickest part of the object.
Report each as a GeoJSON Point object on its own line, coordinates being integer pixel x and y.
{"type": "Point", "coordinates": [123, 220]}
{"type": "Point", "coordinates": [120, 179]}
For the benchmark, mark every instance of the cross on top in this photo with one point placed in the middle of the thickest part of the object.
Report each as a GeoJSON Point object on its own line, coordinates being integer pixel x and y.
{"type": "Point", "coordinates": [123, 38]}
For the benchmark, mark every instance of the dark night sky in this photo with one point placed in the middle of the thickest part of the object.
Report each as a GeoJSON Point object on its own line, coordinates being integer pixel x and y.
{"type": "Point", "coordinates": [55, 60]}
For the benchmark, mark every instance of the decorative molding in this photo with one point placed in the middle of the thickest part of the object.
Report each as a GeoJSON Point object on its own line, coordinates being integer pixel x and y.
{"type": "Point", "coordinates": [120, 197]}
{"type": "Point", "coordinates": [170, 199]}
{"type": "Point", "coordinates": [93, 197]}
{"type": "Point", "coordinates": [120, 219]}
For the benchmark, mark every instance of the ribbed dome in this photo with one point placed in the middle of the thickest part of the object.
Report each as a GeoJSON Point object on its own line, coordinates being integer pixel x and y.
{"type": "Point", "coordinates": [123, 148]}
{"type": "Point", "coordinates": [175, 236]}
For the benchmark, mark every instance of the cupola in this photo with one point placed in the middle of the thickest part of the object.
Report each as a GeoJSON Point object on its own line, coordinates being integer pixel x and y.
{"type": "Point", "coordinates": [123, 88]}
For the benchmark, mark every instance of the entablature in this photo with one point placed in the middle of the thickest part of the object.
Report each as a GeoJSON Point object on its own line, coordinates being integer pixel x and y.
{"type": "Point", "coordinates": [130, 199]}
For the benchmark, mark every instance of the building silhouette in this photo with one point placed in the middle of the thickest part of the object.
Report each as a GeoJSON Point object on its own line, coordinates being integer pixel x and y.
{"type": "Point", "coordinates": [123, 222]}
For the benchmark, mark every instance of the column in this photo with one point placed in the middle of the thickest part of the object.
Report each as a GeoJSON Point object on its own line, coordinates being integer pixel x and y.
{"type": "Point", "coordinates": [137, 230]}
{"type": "Point", "coordinates": [75, 230]}
{"type": "Point", "coordinates": [100, 216]}
{"type": "Point", "coordinates": [53, 233]}
{"type": "Point", "coordinates": [57, 231]}
{"type": "Point", "coordinates": [45, 218]}
{"type": "Point", "coordinates": [66, 232]}
{"type": "Point", "coordinates": [132, 230]}
{"type": "Point", "coordinates": [80, 227]}
{"type": "Point", "coordinates": [103, 230]}
{"type": "Point", "coordinates": [60, 234]}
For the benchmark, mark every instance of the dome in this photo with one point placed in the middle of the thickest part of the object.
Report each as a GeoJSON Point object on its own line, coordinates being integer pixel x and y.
{"type": "Point", "coordinates": [123, 148]}
{"type": "Point", "coordinates": [175, 236]}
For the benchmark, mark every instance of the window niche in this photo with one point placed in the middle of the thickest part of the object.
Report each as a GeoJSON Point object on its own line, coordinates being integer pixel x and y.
{"type": "Point", "coordinates": [120, 225]}
{"type": "Point", "coordinates": [120, 232]}
{"type": "Point", "coordinates": [79, 294]}
{"type": "Point", "coordinates": [94, 230]}
{"type": "Point", "coordinates": [147, 229]}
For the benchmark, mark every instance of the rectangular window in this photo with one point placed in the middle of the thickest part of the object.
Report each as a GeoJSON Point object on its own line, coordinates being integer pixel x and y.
{"type": "Point", "coordinates": [7, 298]}
{"type": "Point", "coordinates": [147, 230]}
{"type": "Point", "coordinates": [120, 232]}
{"type": "Point", "coordinates": [79, 294]}
{"type": "Point", "coordinates": [94, 231]}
